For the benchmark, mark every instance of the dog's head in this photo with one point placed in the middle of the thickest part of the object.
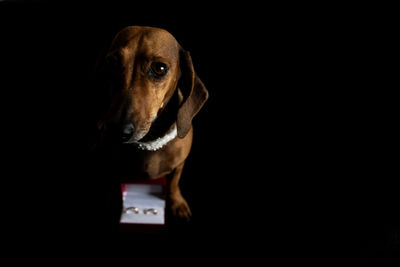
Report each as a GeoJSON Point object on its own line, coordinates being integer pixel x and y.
{"type": "Point", "coordinates": [143, 68]}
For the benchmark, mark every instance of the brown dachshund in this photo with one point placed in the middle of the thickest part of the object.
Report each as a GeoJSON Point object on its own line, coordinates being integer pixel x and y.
{"type": "Point", "coordinates": [152, 95]}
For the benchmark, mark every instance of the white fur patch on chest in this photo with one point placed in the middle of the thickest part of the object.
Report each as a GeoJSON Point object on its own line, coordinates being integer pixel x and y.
{"type": "Point", "coordinates": [159, 142]}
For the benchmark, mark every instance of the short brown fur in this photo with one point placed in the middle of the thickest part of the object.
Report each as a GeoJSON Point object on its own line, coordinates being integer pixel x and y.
{"type": "Point", "coordinates": [138, 99]}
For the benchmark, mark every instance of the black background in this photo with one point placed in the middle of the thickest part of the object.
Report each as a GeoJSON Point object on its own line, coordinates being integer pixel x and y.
{"type": "Point", "coordinates": [293, 157]}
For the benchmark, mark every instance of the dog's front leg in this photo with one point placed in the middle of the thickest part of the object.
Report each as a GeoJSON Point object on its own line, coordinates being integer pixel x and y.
{"type": "Point", "coordinates": [179, 206]}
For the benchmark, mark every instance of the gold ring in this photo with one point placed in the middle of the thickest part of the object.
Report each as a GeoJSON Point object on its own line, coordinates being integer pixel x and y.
{"type": "Point", "coordinates": [131, 209]}
{"type": "Point", "coordinates": [154, 211]}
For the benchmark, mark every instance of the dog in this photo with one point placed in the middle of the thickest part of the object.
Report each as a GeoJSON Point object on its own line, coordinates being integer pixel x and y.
{"type": "Point", "coordinates": [151, 93]}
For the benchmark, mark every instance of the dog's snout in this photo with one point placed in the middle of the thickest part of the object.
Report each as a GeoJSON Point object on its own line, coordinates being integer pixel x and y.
{"type": "Point", "coordinates": [127, 131]}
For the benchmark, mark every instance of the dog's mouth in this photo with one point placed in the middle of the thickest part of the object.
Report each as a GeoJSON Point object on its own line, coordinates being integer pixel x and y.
{"type": "Point", "coordinates": [158, 128]}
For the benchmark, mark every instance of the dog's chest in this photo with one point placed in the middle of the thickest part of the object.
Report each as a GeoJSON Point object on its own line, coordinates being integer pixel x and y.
{"type": "Point", "coordinates": [138, 164]}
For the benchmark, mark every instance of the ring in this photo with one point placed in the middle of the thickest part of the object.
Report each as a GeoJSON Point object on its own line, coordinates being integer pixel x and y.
{"type": "Point", "coordinates": [131, 210]}
{"type": "Point", "coordinates": [145, 211]}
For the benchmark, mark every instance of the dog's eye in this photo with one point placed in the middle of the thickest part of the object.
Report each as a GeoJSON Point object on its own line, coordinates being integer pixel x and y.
{"type": "Point", "coordinates": [158, 69]}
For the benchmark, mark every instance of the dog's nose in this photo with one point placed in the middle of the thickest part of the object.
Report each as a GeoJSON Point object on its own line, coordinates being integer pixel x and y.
{"type": "Point", "coordinates": [127, 131]}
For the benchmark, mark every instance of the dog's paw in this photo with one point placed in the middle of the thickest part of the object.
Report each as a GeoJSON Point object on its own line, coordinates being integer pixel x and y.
{"type": "Point", "coordinates": [180, 208]}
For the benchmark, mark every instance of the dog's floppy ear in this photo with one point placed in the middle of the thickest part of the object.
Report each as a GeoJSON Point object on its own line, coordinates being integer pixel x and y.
{"type": "Point", "coordinates": [194, 93]}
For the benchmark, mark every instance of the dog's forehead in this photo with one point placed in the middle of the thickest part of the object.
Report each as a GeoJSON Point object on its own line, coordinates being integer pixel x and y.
{"type": "Point", "coordinates": [147, 41]}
